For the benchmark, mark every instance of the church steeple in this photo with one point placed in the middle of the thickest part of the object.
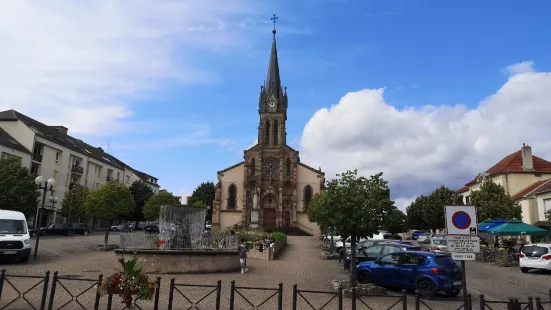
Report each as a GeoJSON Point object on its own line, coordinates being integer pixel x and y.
{"type": "Point", "coordinates": [273, 85]}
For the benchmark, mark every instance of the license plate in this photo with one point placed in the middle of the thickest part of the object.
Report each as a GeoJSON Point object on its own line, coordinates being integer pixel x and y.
{"type": "Point", "coordinates": [534, 258]}
{"type": "Point", "coordinates": [10, 252]}
{"type": "Point", "coordinates": [456, 282]}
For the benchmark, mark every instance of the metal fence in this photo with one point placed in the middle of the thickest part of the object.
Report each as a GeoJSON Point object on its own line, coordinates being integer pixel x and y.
{"type": "Point", "coordinates": [72, 292]}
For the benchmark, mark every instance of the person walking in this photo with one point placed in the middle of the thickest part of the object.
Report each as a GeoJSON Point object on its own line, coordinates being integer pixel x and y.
{"type": "Point", "coordinates": [242, 255]}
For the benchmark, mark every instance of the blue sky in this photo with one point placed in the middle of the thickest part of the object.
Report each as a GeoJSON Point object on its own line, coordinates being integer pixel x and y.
{"type": "Point", "coordinates": [422, 52]}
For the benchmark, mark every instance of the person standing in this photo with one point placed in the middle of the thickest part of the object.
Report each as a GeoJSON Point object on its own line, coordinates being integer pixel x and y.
{"type": "Point", "coordinates": [242, 255]}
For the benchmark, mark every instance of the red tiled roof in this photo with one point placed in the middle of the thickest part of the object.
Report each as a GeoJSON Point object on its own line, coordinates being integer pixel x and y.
{"type": "Point", "coordinates": [528, 190]}
{"type": "Point", "coordinates": [462, 190]}
{"type": "Point", "coordinates": [545, 188]}
{"type": "Point", "coordinates": [512, 163]}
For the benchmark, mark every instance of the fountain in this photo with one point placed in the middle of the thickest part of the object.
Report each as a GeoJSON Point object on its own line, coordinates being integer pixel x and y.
{"type": "Point", "coordinates": [182, 244]}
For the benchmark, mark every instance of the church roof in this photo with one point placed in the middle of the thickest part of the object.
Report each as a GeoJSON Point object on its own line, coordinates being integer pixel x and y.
{"type": "Point", "coordinates": [273, 81]}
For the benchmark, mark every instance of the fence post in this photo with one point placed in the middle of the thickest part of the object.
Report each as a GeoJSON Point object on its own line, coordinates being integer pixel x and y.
{"type": "Point", "coordinates": [531, 303]}
{"type": "Point", "coordinates": [98, 295]}
{"type": "Point", "coordinates": [470, 301]}
{"type": "Point", "coordinates": [340, 297]}
{"type": "Point", "coordinates": [295, 297]}
{"type": "Point", "coordinates": [280, 297]}
{"type": "Point", "coordinates": [353, 291]}
{"type": "Point", "coordinates": [417, 300]}
{"type": "Point", "coordinates": [52, 292]}
{"type": "Point", "coordinates": [538, 303]}
{"type": "Point", "coordinates": [45, 291]}
{"type": "Point", "coordinates": [232, 294]}
{"type": "Point", "coordinates": [109, 301]}
{"type": "Point", "coordinates": [404, 300]}
{"type": "Point", "coordinates": [218, 293]}
{"type": "Point", "coordinates": [482, 302]}
{"type": "Point", "coordinates": [171, 293]}
{"type": "Point", "coordinates": [2, 278]}
{"type": "Point", "coordinates": [157, 293]}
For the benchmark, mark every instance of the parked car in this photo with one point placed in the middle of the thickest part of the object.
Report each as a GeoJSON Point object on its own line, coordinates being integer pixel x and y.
{"type": "Point", "coordinates": [15, 242]}
{"type": "Point", "coordinates": [436, 245]}
{"type": "Point", "coordinates": [429, 273]}
{"type": "Point", "coordinates": [375, 251]}
{"type": "Point", "coordinates": [535, 256]}
{"type": "Point", "coordinates": [370, 242]}
{"type": "Point", "coordinates": [151, 229]}
{"type": "Point", "coordinates": [119, 227]}
{"type": "Point", "coordinates": [57, 229]}
{"type": "Point", "coordinates": [424, 236]}
{"type": "Point", "coordinates": [416, 234]}
{"type": "Point", "coordinates": [81, 229]}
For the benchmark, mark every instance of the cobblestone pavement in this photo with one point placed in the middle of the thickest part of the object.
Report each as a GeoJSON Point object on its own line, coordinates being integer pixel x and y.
{"type": "Point", "coordinates": [299, 264]}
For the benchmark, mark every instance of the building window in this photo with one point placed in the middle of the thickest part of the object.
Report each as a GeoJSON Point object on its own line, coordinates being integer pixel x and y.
{"type": "Point", "coordinates": [467, 200]}
{"type": "Point", "coordinates": [288, 167]}
{"type": "Point", "coordinates": [267, 132]}
{"type": "Point", "coordinates": [307, 196]}
{"type": "Point", "coordinates": [253, 166]}
{"type": "Point", "coordinates": [127, 179]}
{"type": "Point", "coordinates": [276, 132]}
{"type": "Point", "coordinates": [57, 157]}
{"type": "Point", "coordinates": [232, 197]}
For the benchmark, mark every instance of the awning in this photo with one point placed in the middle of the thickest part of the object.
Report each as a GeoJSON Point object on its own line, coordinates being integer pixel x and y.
{"type": "Point", "coordinates": [489, 224]}
{"type": "Point", "coordinates": [516, 228]}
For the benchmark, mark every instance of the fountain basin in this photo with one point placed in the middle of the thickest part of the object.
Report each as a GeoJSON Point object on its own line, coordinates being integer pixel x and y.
{"type": "Point", "coordinates": [184, 261]}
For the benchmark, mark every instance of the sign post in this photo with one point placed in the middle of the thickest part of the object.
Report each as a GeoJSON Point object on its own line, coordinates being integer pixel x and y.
{"type": "Point", "coordinates": [462, 239]}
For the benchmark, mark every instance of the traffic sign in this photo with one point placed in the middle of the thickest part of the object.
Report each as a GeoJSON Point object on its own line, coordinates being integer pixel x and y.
{"type": "Point", "coordinates": [461, 220]}
{"type": "Point", "coordinates": [463, 256]}
{"type": "Point", "coordinates": [463, 244]}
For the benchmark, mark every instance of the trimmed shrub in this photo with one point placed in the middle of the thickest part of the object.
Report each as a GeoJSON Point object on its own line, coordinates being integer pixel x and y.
{"type": "Point", "coordinates": [278, 236]}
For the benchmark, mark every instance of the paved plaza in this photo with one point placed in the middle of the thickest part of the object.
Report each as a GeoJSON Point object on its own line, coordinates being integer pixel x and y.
{"type": "Point", "coordinates": [299, 264]}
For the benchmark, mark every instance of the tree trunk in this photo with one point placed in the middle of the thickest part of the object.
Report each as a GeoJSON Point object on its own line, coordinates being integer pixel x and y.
{"type": "Point", "coordinates": [331, 245]}
{"type": "Point", "coordinates": [106, 240]}
{"type": "Point", "coordinates": [353, 261]}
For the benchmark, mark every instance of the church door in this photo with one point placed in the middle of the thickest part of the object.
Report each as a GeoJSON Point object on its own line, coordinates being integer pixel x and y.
{"type": "Point", "coordinates": [269, 218]}
{"type": "Point", "coordinates": [286, 219]}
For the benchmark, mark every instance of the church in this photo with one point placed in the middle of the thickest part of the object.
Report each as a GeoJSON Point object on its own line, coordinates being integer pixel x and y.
{"type": "Point", "coordinates": [270, 188]}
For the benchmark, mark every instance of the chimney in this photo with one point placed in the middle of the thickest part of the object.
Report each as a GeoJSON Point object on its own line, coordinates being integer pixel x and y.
{"type": "Point", "coordinates": [61, 129]}
{"type": "Point", "coordinates": [527, 160]}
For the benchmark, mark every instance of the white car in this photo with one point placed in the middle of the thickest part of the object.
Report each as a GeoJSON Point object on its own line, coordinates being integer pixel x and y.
{"type": "Point", "coordinates": [117, 228]}
{"type": "Point", "coordinates": [15, 242]}
{"type": "Point", "coordinates": [423, 237]}
{"type": "Point", "coordinates": [535, 256]}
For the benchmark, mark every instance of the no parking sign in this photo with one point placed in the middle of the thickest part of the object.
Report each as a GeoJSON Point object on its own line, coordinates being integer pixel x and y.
{"type": "Point", "coordinates": [461, 220]}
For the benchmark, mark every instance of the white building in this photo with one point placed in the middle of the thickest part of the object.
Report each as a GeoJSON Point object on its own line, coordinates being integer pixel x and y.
{"type": "Point", "coordinates": [50, 152]}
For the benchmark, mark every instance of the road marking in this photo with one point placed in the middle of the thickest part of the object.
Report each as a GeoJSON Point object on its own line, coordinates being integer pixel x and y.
{"type": "Point", "coordinates": [51, 251]}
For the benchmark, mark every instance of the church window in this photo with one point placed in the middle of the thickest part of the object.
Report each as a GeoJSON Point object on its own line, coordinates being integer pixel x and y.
{"type": "Point", "coordinates": [232, 197]}
{"type": "Point", "coordinates": [288, 167]}
{"type": "Point", "coordinates": [276, 132]}
{"type": "Point", "coordinates": [307, 196]}
{"type": "Point", "coordinates": [267, 132]}
{"type": "Point", "coordinates": [253, 166]}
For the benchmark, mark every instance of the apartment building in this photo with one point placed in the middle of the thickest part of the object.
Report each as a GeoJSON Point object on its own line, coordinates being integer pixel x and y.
{"type": "Point", "coordinates": [51, 152]}
{"type": "Point", "coordinates": [526, 178]}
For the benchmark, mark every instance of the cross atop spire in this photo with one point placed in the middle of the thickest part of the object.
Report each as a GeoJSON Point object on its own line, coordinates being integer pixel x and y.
{"type": "Point", "coordinates": [274, 19]}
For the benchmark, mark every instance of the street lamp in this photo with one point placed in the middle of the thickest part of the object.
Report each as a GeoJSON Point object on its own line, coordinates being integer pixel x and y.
{"type": "Point", "coordinates": [53, 200]}
{"type": "Point", "coordinates": [45, 186]}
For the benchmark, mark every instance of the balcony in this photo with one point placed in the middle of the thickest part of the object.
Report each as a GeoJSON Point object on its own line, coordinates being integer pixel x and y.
{"type": "Point", "coordinates": [77, 170]}
{"type": "Point", "coordinates": [37, 157]}
{"type": "Point", "coordinates": [110, 179]}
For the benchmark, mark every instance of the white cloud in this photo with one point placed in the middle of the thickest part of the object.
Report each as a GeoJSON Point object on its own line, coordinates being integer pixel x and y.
{"type": "Point", "coordinates": [403, 203]}
{"type": "Point", "coordinates": [419, 149]}
{"type": "Point", "coordinates": [521, 67]}
{"type": "Point", "coordinates": [80, 63]}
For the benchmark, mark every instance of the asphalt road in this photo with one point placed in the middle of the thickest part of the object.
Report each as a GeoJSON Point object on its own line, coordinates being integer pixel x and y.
{"type": "Point", "coordinates": [52, 246]}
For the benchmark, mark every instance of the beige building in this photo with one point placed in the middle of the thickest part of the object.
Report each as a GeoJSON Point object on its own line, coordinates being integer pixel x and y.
{"type": "Point", "coordinates": [271, 187]}
{"type": "Point", "coordinates": [50, 152]}
{"type": "Point", "coordinates": [525, 177]}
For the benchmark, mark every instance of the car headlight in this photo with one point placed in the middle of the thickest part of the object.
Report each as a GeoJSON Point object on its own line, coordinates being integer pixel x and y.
{"type": "Point", "coordinates": [27, 241]}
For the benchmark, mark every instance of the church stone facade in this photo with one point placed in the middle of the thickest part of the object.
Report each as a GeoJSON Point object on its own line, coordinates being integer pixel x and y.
{"type": "Point", "coordinates": [270, 187]}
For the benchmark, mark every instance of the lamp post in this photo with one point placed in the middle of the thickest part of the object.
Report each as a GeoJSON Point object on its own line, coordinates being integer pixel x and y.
{"type": "Point", "coordinates": [73, 189]}
{"type": "Point", "coordinates": [53, 200]}
{"type": "Point", "coordinates": [44, 186]}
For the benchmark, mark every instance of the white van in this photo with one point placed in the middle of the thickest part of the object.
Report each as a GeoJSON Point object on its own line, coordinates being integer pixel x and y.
{"type": "Point", "coordinates": [15, 242]}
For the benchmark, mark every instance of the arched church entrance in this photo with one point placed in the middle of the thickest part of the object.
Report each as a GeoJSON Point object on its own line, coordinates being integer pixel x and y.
{"type": "Point", "coordinates": [269, 212]}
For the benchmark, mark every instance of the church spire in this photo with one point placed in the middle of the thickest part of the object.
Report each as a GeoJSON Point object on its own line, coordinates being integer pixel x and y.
{"type": "Point", "coordinates": [273, 85]}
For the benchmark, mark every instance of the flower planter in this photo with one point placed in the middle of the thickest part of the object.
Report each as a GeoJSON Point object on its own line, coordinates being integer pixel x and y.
{"type": "Point", "coordinates": [120, 291]}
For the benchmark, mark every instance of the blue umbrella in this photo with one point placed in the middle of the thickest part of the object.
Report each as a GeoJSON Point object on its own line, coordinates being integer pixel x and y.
{"type": "Point", "coordinates": [487, 225]}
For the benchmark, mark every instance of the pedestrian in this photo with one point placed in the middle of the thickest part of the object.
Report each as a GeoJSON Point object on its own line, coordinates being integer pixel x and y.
{"type": "Point", "coordinates": [242, 255]}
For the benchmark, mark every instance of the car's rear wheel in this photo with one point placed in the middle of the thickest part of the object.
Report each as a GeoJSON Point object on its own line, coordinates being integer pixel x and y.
{"type": "Point", "coordinates": [86, 233]}
{"type": "Point", "coordinates": [365, 277]}
{"type": "Point", "coordinates": [24, 259]}
{"type": "Point", "coordinates": [524, 270]}
{"type": "Point", "coordinates": [454, 292]}
{"type": "Point", "coordinates": [426, 288]}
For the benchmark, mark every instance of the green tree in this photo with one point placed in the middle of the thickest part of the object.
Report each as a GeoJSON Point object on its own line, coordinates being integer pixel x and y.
{"type": "Point", "coordinates": [203, 196]}
{"type": "Point", "coordinates": [437, 202]}
{"type": "Point", "coordinates": [153, 205]}
{"type": "Point", "coordinates": [74, 201]}
{"type": "Point", "coordinates": [110, 202]}
{"type": "Point", "coordinates": [319, 212]}
{"type": "Point", "coordinates": [141, 192]}
{"type": "Point", "coordinates": [395, 221]}
{"type": "Point", "coordinates": [415, 213]}
{"type": "Point", "coordinates": [494, 203]}
{"type": "Point", "coordinates": [18, 192]}
{"type": "Point", "coordinates": [358, 206]}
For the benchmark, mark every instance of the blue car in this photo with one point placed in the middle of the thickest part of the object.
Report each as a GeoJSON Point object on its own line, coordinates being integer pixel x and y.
{"type": "Point", "coordinates": [415, 235]}
{"type": "Point", "coordinates": [429, 273]}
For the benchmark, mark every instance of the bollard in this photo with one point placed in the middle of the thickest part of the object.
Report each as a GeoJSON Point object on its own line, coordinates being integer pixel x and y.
{"type": "Point", "coordinates": [513, 304]}
{"type": "Point", "coordinates": [538, 303]}
{"type": "Point", "coordinates": [353, 290]}
{"type": "Point", "coordinates": [531, 303]}
{"type": "Point", "coordinates": [404, 300]}
{"type": "Point", "coordinates": [340, 297]}
{"type": "Point", "coordinates": [417, 299]}
{"type": "Point", "coordinates": [482, 305]}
